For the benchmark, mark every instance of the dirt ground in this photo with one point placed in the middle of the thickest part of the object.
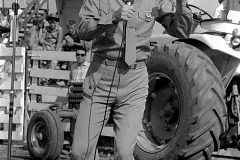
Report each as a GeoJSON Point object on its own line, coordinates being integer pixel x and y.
{"type": "Point", "coordinates": [19, 152]}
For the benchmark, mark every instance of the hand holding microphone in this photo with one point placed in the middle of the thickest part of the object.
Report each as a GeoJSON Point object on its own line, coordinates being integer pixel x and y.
{"type": "Point", "coordinates": [124, 13]}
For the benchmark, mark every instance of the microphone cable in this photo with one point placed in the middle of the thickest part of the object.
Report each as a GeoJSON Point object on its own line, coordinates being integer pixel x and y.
{"type": "Point", "coordinates": [114, 73]}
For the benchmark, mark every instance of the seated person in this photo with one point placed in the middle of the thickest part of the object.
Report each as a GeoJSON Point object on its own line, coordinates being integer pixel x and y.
{"type": "Point", "coordinates": [52, 37]}
{"type": "Point", "coordinates": [34, 34]}
{"type": "Point", "coordinates": [52, 34]}
{"type": "Point", "coordinates": [71, 40]}
{"type": "Point", "coordinates": [4, 22]}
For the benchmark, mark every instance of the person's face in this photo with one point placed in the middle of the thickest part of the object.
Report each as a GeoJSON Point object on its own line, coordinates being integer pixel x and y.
{"type": "Point", "coordinates": [52, 23]}
{"type": "Point", "coordinates": [80, 56]}
{"type": "Point", "coordinates": [5, 12]}
{"type": "Point", "coordinates": [71, 29]}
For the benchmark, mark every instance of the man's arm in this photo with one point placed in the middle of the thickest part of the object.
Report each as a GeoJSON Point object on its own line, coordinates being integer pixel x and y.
{"type": "Point", "coordinates": [31, 33]}
{"type": "Point", "coordinates": [60, 37]}
{"type": "Point", "coordinates": [43, 39]}
{"type": "Point", "coordinates": [178, 24]}
{"type": "Point", "coordinates": [94, 22]}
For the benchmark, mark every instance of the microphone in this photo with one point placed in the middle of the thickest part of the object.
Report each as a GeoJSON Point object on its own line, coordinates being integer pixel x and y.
{"type": "Point", "coordinates": [129, 2]}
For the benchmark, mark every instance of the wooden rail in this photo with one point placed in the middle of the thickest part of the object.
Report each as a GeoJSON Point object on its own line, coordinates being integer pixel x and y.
{"type": "Point", "coordinates": [5, 88]}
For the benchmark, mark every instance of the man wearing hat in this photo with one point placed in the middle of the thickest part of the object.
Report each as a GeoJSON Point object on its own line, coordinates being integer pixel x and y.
{"type": "Point", "coordinates": [53, 34]}
{"type": "Point", "coordinates": [34, 34]}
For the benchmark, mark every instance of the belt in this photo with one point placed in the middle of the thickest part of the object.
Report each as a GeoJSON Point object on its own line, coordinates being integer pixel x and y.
{"type": "Point", "coordinates": [112, 61]}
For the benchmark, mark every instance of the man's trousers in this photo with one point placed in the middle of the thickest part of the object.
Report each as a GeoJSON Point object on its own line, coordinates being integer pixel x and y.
{"type": "Point", "coordinates": [128, 91]}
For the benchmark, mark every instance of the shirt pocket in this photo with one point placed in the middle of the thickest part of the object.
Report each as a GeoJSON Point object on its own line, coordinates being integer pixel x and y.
{"type": "Point", "coordinates": [146, 20]}
{"type": "Point", "coordinates": [104, 8]}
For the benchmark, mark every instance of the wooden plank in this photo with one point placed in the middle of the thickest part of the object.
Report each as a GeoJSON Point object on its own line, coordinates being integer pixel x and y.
{"type": "Point", "coordinates": [53, 55]}
{"type": "Point", "coordinates": [34, 82]}
{"type": "Point", "coordinates": [6, 101]}
{"type": "Point", "coordinates": [33, 106]}
{"type": "Point", "coordinates": [53, 99]}
{"type": "Point", "coordinates": [4, 118]}
{"type": "Point", "coordinates": [6, 85]}
{"type": "Point", "coordinates": [20, 51]}
{"type": "Point", "coordinates": [54, 91]}
{"type": "Point", "coordinates": [3, 75]}
{"type": "Point", "coordinates": [15, 135]}
{"type": "Point", "coordinates": [49, 73]}
{"type": "Point", "coordinates": [19, 68]}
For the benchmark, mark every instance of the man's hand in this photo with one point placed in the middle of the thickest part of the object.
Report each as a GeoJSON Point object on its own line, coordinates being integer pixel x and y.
{"type": "Point", "coordinates": [71, 44]}
{"type": "Point", "coordinates": [124, 13]}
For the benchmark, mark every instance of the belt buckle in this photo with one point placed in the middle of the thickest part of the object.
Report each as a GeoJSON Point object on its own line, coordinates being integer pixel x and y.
{"type": "Point", "coordinates": [133, 66]}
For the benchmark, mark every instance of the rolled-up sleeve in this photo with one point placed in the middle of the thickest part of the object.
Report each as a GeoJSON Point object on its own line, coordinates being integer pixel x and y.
{"type": "Point", "coordinates": [92, 23]}
{"type": "Point", "coordinates": [179, 23]}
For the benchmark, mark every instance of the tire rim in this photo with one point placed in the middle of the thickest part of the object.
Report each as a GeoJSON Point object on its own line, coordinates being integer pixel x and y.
{"type": "Point", "coordinates": [39, 137]}
{"type": "Point", "coordinates": [162, 113]}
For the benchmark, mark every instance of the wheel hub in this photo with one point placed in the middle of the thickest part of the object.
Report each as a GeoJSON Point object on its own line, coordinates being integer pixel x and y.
{"type": "Point", "coordinates": [164, 115]}
{"type": "Point", "coordinates": [40, 136]}
{"type": "Point", "coordinates": [161, 116]}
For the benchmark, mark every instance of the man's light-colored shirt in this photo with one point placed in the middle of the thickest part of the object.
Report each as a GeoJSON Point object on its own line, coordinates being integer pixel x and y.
{"type": "Point", "coordinates": [78, 73]}
{"type": "Point", "coordinates": [96, 23]}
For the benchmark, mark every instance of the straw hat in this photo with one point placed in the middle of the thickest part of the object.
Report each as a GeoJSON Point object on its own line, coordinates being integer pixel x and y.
{"type": "Point", "coordinates": [53, 16]}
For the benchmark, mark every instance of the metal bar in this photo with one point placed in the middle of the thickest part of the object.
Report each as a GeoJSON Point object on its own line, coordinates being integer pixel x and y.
{"type": "Point", "coordinates": [67, 114]}
{"type": "Point", "coordinates": [12, 93]}
{"type": "Point", "coordinates": [224, 156]}
{"type": "Point", "coordinates": [26, 91]}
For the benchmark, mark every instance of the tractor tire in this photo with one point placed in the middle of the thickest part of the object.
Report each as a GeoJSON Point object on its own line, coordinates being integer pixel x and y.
{"type": "Point", "coordinates": [45, 135]}
{"type": "Point", "coordinates": [185, 110]}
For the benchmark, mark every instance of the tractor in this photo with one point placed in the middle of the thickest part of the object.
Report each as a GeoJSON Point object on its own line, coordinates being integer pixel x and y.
{"type": "Point", "coordinates": [192, 108]}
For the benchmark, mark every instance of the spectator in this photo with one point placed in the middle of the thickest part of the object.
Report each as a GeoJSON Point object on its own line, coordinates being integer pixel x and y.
{"type": "Point", "coordinates": [79, 69]}
{"type": "Point", "coordinates": [34, 34]}
{"type": "Point", "coordinates": [4, 22]}
{"type": "Point", "coordinates": [77, 74]}
{"type": "Point", "coordinates": [52, 34]}
{"type": "Point", "coordinates": [72, 42]}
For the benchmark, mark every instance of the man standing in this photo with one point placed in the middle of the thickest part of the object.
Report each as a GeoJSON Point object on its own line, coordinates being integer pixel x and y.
{"type": "Point", "coordinates": [79, 69]}
{"type": "Point", "coordinates": [117, 76]}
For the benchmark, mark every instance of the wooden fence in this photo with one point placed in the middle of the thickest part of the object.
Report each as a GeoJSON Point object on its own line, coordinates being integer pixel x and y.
{"type": "Point", "coordinates": [30, 95]}
{"type": "Point", "coordinates": [42, 97]}
{"type": "Point", "coordinates": [19, 100]}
